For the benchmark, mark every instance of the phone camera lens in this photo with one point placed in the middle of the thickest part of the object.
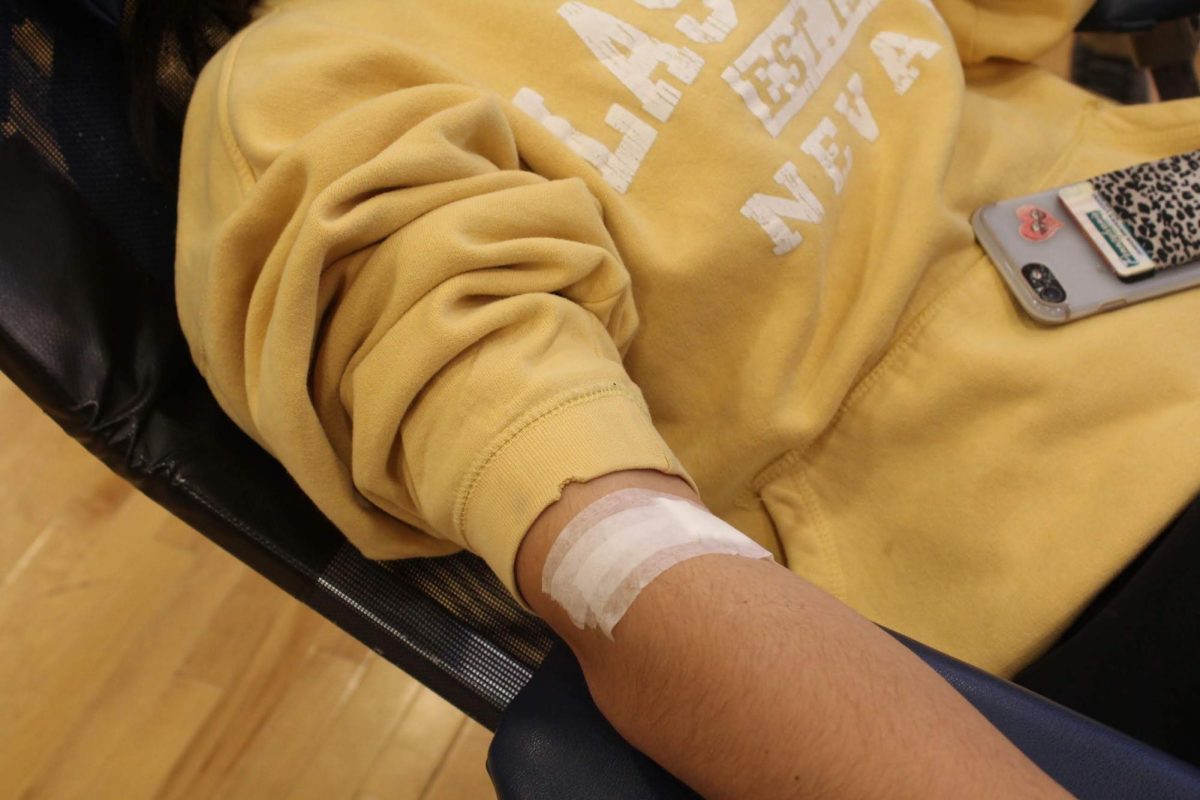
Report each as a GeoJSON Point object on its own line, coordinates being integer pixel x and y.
{"type": "Point", "coordinates": [1044, 283]}
{"type": "Point", "coordinates": [1053, 294]}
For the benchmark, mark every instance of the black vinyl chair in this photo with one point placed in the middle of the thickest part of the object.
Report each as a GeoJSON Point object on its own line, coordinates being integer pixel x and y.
{"type": "Point", "coordinates": [88, 330]}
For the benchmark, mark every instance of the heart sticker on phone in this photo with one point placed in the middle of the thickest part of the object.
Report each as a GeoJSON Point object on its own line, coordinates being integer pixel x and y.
{"type": "Point", "coordinates": [1037, 224]}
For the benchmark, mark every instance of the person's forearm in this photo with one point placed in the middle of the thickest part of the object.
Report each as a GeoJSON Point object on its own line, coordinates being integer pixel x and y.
{"type": "Point", "coordinates": [745, 681]}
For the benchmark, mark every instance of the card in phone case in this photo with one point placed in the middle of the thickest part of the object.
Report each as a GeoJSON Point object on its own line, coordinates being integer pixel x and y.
{"type": "Point", "coordinates": [1143, 218]}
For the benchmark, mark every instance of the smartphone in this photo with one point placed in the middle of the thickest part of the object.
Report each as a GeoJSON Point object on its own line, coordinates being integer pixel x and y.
{"type": "Point", "coordinates": [1055, 269]}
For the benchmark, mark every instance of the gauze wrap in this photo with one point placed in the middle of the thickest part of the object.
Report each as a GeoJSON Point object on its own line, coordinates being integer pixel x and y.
{"type": "Point", "coordinates": [616, 546]}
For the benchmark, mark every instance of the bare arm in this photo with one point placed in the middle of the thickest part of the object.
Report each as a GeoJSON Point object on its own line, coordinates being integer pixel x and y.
{"type": "Point", "coordinates": [744, 680]}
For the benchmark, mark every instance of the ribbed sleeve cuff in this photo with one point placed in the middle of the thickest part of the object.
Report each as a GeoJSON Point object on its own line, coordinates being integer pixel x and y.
{"type": "Point", "coordinates": [584, 436]}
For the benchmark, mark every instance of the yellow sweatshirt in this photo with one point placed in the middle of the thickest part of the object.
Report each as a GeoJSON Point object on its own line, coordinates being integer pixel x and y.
{"type": "Point", "coordinates": [441, 258]}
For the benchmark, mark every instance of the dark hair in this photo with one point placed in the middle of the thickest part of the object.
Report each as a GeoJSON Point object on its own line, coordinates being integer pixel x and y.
{"type": "Point", "coordinates": [165, 44]}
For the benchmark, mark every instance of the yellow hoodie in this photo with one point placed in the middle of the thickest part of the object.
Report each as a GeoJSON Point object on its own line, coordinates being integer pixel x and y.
{"type": "Point", "coordinates": [441, 258]}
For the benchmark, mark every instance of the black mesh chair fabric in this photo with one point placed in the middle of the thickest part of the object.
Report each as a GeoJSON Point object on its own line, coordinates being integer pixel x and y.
{"type": "Point", "coordinates": [88, 330]}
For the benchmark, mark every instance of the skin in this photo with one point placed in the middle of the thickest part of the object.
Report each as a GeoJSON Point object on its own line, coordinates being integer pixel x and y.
{"type": "Point", "coordinates": [744, 680]}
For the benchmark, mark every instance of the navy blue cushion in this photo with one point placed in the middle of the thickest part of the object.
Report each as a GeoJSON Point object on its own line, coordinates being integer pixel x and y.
{"type": "Point", "coordinates": [107, 11]}
{"type": "Point", "coordinates": [552, 742]}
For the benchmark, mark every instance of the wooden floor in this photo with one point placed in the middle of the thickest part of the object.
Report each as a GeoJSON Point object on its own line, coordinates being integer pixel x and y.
{"type": "Point", "coordinates": [137, 660]}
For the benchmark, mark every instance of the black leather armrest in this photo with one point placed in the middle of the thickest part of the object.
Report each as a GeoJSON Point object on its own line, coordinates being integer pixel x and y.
{"type": "Point", "coordinates": [553, 743]}
{"type": "Point", "coordinates": [1124, 16]}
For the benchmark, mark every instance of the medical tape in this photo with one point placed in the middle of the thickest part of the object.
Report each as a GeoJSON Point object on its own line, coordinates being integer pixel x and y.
{"type": "Point", "coordinates": [618, 545]}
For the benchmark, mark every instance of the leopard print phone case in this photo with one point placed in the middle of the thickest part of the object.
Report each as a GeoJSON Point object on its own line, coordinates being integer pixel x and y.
{"type": "Point", "coordinates": [1159, 204]}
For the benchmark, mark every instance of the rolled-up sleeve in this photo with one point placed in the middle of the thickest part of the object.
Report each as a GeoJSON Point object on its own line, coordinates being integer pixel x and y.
{"type": "Point", "coordinates": [427, 336]}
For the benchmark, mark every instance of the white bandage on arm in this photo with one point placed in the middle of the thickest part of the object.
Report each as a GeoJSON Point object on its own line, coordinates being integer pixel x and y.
{"type": "Point", "coordinates": [616, 546]}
